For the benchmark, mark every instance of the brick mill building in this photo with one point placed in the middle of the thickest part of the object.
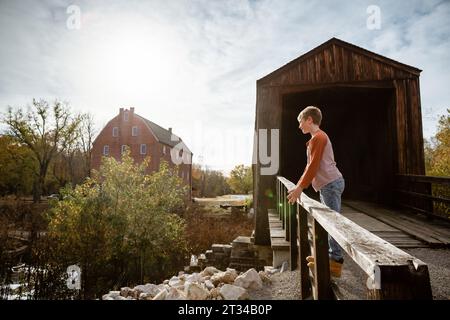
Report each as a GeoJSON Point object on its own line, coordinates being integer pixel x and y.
{"type": "Point", "coordinates": [143, 138]}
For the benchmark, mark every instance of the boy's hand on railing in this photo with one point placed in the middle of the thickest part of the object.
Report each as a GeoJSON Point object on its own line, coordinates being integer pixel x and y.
{"type": "Point", "coordinates": [294, 194]}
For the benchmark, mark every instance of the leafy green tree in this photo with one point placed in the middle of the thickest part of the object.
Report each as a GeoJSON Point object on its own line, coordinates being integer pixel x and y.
{"type": "Point", "coordinates": [118, 226]}
{"type": "Point", "coordinates": [46, 130]}
{"type": "Point", "coordinates": [437, 152]}
{"type": "Point", "coordinates": [437, 161]}
{"type": "Point", "coordinates": [16, 167]}
{"type": "Point", "coordinates": [240, 179]}
{"type": "Point", "coordinates": [209, 183]}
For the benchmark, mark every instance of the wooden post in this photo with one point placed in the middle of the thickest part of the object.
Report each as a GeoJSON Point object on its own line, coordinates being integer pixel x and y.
{"type": "Point", "coordinates": [278, 196]}
{"type": "Point", "coordinates": [283, 208]}
{"type": "Point", "coordinates": [286, 214]}
{"type": "Point", "coordinates": [293, 235]}
{"type": "Point", "coordinates": [322, 264]}
{"type": "Point", "coordinates": [288, 221]}
{"type": "Point", "coordinates": [280, 200]}
{"type": "Point", "coordinates": [303, 252]}
{"type": "Point", "coordinates": [400, 283]}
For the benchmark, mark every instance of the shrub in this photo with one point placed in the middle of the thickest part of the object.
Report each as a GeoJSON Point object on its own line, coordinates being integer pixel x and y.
{"type": "Point", "coordinates": [118, 226]}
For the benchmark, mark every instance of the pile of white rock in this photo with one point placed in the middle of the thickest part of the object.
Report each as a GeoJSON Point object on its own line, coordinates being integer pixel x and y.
{"type": "Point", "coordinates": [209, 284]}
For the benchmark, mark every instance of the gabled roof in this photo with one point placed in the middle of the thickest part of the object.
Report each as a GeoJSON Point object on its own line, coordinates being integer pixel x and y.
{"type": "Point", "coordinates": [162, 135]}
{"type": "Point", "coordinates": [349, 46]}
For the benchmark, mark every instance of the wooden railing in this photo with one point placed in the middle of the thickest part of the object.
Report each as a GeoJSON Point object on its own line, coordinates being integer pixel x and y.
{"type": "Point", "coordinates": [424, 194]}
{"type": "Point", "coordinates": [392, 273]}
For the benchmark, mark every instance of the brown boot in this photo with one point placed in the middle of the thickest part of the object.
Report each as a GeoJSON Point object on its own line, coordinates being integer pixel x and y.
{"type": "Point", "coordinates": [335, 266]}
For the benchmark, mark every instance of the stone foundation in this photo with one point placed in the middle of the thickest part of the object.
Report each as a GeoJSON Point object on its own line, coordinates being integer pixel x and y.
{"type": "Point", "coordinates": [241, 254]}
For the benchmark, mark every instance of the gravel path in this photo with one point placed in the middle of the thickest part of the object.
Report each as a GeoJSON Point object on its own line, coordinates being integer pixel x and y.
{"type": "Point", "coordinates": [285, 286]}
{"type": "Point", "coordinates": [438, 261]}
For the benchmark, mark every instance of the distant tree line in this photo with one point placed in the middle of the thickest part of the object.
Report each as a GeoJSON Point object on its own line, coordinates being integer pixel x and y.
{"type": "Point", "coordinates": [437, 149]}
{"type": "Point", "coordinates": [213, 183]}
{"type": "Point", "coordinates": [44, 147]}
{"type": "Point", "coordinates": [437, 161]}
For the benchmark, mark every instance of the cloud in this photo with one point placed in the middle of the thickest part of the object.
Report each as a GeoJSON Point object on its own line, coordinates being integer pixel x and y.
{"type": "Point", "coordinates": [184, 64]}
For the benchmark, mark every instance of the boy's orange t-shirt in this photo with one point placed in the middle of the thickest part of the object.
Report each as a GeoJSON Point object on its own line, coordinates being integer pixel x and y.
{"type": "Point", "coordinates": [321, 168]}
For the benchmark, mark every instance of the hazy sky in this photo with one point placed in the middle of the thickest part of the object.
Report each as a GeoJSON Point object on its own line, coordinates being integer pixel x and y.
{"type": "Point", "coordinates": [193, 65]}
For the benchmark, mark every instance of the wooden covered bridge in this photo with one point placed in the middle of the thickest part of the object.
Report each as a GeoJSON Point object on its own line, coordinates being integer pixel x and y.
{"type": "Point", "coordinates": [372, 113]}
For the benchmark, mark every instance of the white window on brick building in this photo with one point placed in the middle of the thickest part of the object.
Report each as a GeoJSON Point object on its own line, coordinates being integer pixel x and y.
{"type": "Point", "coordinates": [143, 149]}
{"type": "Point", "coordinates": [105, 150]}
{"type": "Point", "coordinates": [164, 149]}
{"type": "Point", "coordinates": [123, 148]}
{"type": "Point", "coordinates": [115, 131]}
{"type": "Point", "coordinates": [134, 131]}
{"type": "Point", "coordinates": [125, 116]}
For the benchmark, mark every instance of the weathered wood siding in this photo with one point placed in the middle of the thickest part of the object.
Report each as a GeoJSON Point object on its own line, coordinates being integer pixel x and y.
{"type": "Point", "coordinates": [336, 64]}
{"type": "Point", "coordinates": [340, 64]}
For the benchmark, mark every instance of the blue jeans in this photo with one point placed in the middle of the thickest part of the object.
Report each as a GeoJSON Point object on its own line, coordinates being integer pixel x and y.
{"type": "Point", "coordinates": [330, 195]}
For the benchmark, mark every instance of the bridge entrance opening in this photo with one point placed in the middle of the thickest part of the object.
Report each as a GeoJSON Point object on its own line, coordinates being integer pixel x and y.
{"type": "Point", "coordinates": [359, 122]}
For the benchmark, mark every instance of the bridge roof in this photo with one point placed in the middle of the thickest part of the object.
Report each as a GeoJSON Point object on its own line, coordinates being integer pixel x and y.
{"type": "Point", "coordinates": [369, 56]}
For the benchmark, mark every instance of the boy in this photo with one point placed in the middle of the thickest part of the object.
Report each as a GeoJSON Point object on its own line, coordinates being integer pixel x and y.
{"type": "Point", "coordinates": [325, 177]}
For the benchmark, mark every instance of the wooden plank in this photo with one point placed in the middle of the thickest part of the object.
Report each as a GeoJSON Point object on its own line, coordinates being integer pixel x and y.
{"type": "Point", "coordinates": [288, 221]}
{"type": "Point", "coordinates": [368, 222]}
{"type": "Point", "coordinates": [396, 283]}
{"type": "Point", "coordinates": [392, 235]}
{"type": "Point", "coordinates": [423, 196]}
{"type": "Point", "coordinates": [278, 184]}
{"type": "Point", "coordinates": [439, 226]}
{"type": "Point", "coordinates": [303, 252]}
{"type": "Point", "coordinates": [426, 179]}
{"type": "Point", "coordinates": [277, 233]}
{"type": "Point", "coordinates": [278, 244]}
{"type": "Point", "coordinates": [419, 230]}
{"type": "Point", "coordinates": [395, 216]}
{"type": "Point", "coordinates": [428, 213]}
{"type": "Point", "coordinates": [293, 236]}
{"type": "Point", "coordinates": [321, 265]}
{"type": "Point", "coordinates": [283, 205]}
{"type": "Point", "coordinates": [274, 219]}
{"type": "Point", "coordinates": [401, 126]}
{"type": "Point", "coordinates": [275, 226]}
{"type": "Point", "coordinates": [365, 248]}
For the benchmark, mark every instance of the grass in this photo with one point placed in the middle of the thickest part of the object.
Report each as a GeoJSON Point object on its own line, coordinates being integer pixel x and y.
{"type": "Point", "coordinates": [207, 223]}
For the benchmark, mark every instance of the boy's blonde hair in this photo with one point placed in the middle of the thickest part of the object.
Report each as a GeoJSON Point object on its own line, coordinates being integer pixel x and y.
{"type": "Point", "coordinates": [313, 112]}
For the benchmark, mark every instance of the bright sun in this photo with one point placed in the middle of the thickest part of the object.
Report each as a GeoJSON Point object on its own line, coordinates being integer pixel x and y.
{"type": "Point", "coordinates": [134, 63]}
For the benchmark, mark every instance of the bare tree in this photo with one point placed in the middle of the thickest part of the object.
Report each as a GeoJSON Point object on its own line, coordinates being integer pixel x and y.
{"type": "Point", "coordinates": [86, 138]}
{"type": "Point", "coordinates": [47, 131]}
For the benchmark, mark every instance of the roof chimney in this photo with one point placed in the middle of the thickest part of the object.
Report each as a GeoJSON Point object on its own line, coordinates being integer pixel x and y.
{"type": "Point", "coordinates": [132, 110]}
{"type": "Point", "coordinates": [120, 111]}
{"type": "Point", "coordinates": [170, 130]}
